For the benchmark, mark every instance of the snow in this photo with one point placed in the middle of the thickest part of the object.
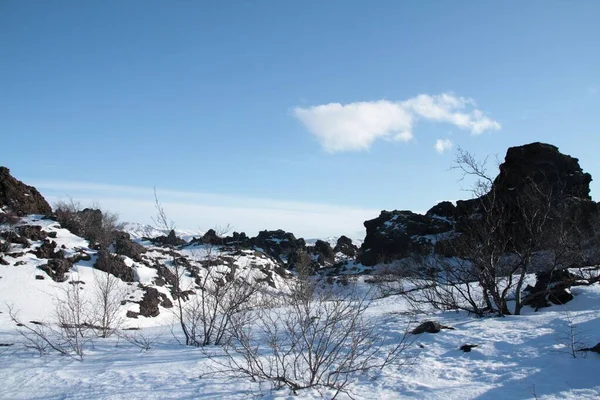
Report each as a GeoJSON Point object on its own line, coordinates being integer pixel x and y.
{"type": "Point", "coordinates": [518, 357]}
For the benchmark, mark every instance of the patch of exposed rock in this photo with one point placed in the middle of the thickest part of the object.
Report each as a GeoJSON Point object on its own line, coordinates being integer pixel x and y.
{"type": "Point", "coordinates": [126, 247]}
{"type": "Point", "coordinates": [114, 265]}
{"type": "Point", "coordinates": [19, 197]}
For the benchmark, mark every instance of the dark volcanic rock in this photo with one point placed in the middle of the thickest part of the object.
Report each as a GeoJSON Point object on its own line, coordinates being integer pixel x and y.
{"type": "Point", "coordinates": [278, 244]}
{"type": "Point", "coordinates": [429, 327]}
{"type": "Point", "coordinates": [546, 166]}
{"type": "Point", "coordinates": [19, 197]}
{"type": "Point", "coordinates": [323, 252]}
{"type": "Point", "coordinates": [530, 173]}
{"type": "Point", "coordinates": [397, 234]}
{"type": "Point", "coordinates": [151, 300]}
{"type": "Point", "coordinates": [550, 287]}
{"type": "Point", "coordinates": [345, 246]}
{"type": "Point", "coordinates": [170, 240]}
{"type": "Point", "coordinates": [445, 209]}
{"type": "Point", "coordinates": [46, 250]}
{"type": "Point", "coordinates": [126, 247]}
{"type": "Point", "coordinates": [56, 269]}
{"type": "Point", "coordinates": [114, 265]}
{"type": "Point", "coordinates": [32, 232]}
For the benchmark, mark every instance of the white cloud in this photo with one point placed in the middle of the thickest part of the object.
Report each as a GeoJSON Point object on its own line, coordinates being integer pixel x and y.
{"type": "Point", "coordinates": [202, 211]}
{"type": "Point", "coordinates": [441, 145]}
{"type": "Point", "coordinates": [355, 126]}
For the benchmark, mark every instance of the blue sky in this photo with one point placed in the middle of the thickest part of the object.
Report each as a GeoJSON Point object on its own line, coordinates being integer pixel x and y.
{"type": "Point", "coordinates": [309, 116]}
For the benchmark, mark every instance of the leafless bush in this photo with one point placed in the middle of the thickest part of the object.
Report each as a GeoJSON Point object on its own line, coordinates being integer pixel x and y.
{"type": "Point", "coordinates": [74, 318]}
{"type": "Point", "coordinates": [569, 337]}
{"type": "Point", "coordinates": [94, 224]}
{"type": "Point", "coordinates": [107, 304]}
{"type": "Point", "coordinates": [45, 337]}
{"type": "Point", "coordinates": [139, 339]}
{"type": "Point", "coordinates": [317, 341]}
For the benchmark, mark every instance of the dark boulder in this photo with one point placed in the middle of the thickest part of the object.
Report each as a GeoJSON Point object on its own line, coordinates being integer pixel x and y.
{"type": "Point", "coordinates": [152, 299]}
{"type": "Point", "coordinates": [278, 244]}
{"type": "Point", "coordinates": [15, 238]}
{"type": "Point", "coordinates": [114, 265]}
{"type": "Point", "coordinates": [47, 250]}
{"type": "Point", "coordinates": [170, 240]}
{"type": "Point", "coordinates": [56, 269]}
{"type": "Point", "coordinates": [32, 232]}
{"type": "Point", "coordinates": [429, 327]}
{"type": "Point", "coordinates": [19, 197]}
{"type": "Point", "coordinates": [126, 247]}
{"type": "Point", "coordinates": [467, 347]}
{"type": "Point", "coordinates": [323, 253]}
{"type": "Point", "coordinates": [550, 288]}
{"type": "Point", "coordinates": [345, 246]}
{"type": "Point", "coordinates": [211, 237]}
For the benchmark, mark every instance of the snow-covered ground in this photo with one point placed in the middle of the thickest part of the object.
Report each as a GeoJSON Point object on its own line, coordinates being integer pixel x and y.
{"type": "Point", "coordinates": [517, 357]}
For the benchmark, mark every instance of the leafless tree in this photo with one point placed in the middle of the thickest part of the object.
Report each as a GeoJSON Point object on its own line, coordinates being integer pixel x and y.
{"type": "Point", "coordinates": [107, 303]}
{"type": "Point", "coordinates": [73, 317]}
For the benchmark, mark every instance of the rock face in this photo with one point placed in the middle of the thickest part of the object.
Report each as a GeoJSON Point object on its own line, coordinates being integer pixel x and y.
{"type": "Point", "coordinates": [398, 234]}
{"type": "Point", "coordinates": [19, 197]}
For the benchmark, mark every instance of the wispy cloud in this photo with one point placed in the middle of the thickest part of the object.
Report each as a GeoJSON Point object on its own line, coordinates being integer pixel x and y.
{"type": "Point", "coordinates": [356, 126]}
{"type": "Point", "coordinates": [441, 145]}
{"type": "Point", "coordinates": [194, 210]}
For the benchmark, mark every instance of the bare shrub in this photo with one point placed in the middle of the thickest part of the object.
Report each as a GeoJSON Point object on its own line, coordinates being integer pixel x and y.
{"type": "Point", "coordinates": [140, 339]}
{"type": "Point", "coordinates": [317, 341]}
{"type": "Point", "coordinates": [107, 304]}
{"type": "Point", "coordinates": [94, 224]}
{"type": "Point", "coordinates": [74, 319]}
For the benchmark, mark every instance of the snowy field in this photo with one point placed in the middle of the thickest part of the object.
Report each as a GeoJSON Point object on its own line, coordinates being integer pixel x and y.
{"type": "Point", "coordinates": [518, 357]}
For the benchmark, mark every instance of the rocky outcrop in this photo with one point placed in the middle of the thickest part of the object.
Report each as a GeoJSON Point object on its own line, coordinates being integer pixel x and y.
{"type": "Point", "coordinates": [398, 234]}
{"type": "Point", "coordinates": [57, 268]}
{"type": "Point", "coordinates": [126, 247]}
{"type": "Point", "coordinates": [170, 240]}
{"type": "Point", "coordinates": [345, 246]}
{"type": "Point", "coordinates": [323, 253]}
{"type": "Point", "coordinates": [278, 244]}
{"type": "Point", "coordinates": [535, 172]}
{"type": "Point", "coordinates": [114, 265]}
{"type": "Point", "coordinates": [19, 197]}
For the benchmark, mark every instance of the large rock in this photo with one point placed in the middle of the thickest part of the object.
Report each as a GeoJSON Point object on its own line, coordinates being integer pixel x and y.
{"type": "Point", "coordinates": [398, 234]}
{"type": "Point", "coordinates": [114, 265]}
{"type": "Point", "coordinates": [323, 253]}
{"type": "Point", "coordinates": [530, 173]}
{"type": "Point", "coordinates": [278, 244]}
{"type": "Point", "coordinates": [345, 246]}
{"type": "Point", "coordinates": [170, 240]}
{"type": "Point", "coordinates": [126, 247]}
{"type": "Point", "coordinates": [19, 197]}
{"type": "Point", "coordinates": [57, 268]}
